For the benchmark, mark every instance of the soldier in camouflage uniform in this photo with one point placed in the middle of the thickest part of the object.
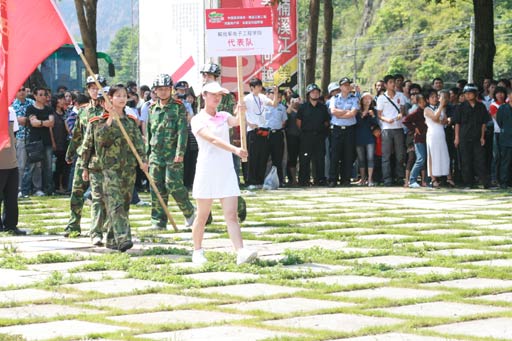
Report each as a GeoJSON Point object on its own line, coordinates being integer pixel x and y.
{"type": "Point", "coordinates": [211, 73]}
{"type": "Point", "coordinates": [106, 149]}
{"type": "Point", "coordinates": [166, 144]}
{"type": "Point", "coordinates": [75, 150]}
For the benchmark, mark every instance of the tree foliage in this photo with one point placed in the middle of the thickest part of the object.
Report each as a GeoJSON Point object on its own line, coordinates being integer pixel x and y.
{"type": "Point", "coordinates": [123, 51]}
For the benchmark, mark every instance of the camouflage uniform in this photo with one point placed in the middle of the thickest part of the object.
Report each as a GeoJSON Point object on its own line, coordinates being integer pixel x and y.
{"type": "Point", "coordinates": [117, 164]}
{"type": "Point", "coordinates": [167, 138]}
{"type": "Point", "coordinates": [79, 185]}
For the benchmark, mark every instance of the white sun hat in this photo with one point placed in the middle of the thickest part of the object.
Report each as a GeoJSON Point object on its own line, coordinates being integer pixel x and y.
{"type": "Point", "coordinates": [214, 87]}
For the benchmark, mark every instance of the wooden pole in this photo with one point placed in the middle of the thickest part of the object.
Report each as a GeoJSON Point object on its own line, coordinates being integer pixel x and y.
{"type": "Point", "coordinates": [132, 147]}
{"type": "Point", "coordinates": [241, 113]}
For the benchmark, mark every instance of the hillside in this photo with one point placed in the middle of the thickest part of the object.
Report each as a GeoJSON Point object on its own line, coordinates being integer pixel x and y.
{"type": "Point", "coordinates": [421, 41]}
{"type": "Point", "coordinates": [112, 16]}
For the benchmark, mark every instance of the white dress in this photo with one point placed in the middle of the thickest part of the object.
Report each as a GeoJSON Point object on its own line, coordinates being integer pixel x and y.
{"type": "Point", "coordinates": [215, 173]}
{"type": "Point", "coordinates": [437, 150]}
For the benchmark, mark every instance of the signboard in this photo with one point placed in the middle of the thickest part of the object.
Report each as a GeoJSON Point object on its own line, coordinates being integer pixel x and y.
{"type": "Point", "coordinates": [239, 32]}
{"type": "Point", "coordinates": [278, 68]}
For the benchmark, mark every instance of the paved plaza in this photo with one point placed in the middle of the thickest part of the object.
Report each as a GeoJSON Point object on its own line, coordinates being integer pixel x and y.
{"type": "Point", "coordinates": [351, 264]}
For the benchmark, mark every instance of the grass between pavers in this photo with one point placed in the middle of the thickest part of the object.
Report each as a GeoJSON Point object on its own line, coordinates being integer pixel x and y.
{"type": "Point", "coordinates": [151, 263]}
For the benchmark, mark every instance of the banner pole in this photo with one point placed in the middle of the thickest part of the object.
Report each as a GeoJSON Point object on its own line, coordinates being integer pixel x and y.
{"type": "Point", "coordinates": [132, 147]}
{"type": "Point", "coordinates": [241, 113]}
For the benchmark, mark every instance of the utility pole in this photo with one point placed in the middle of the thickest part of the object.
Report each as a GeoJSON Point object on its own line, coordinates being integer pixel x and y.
{"type": "Point", "coordinates": [471, 49]}
{"type": "Point", "coordinates": [355, 60]}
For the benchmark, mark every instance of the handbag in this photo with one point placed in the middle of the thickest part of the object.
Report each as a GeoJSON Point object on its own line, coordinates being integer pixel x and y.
{"type": "Point", "coordinates": [35, 151]}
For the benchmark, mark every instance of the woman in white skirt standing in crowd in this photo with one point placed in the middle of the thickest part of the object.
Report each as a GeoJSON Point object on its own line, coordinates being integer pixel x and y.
{"type": "Point", "coordinates": [215, 175]}
{"type": "Point", "coordinates": [437, 149]}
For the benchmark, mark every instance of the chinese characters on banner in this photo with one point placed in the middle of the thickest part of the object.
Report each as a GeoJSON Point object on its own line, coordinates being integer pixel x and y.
{"type": "Point", "coordinates": [279, 68]}
{"type": "Point", "coordinates": [239, 32]}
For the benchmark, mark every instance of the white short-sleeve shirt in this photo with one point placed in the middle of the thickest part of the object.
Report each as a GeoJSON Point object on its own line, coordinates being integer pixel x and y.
{"type": "Point", "coordinates": [389, 110]}
{"type": "Point", "coordinates": [255, 109]}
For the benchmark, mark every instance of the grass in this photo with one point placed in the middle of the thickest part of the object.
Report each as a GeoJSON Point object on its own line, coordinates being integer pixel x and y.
{"type": "Point", "coordinates": [316, 214]}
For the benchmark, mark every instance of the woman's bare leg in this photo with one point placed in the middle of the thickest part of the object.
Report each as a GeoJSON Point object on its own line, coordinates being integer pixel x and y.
{"type": "Point", "coordinates": [229, 207]}
{"type": "Point", "coordinates": [203, 210]}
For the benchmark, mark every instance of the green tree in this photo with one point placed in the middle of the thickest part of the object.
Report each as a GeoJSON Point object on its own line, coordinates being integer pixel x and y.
{"type": "Point", "coordinates": [123, 51]}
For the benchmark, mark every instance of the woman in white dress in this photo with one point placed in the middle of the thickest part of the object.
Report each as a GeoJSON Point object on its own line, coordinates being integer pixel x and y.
{"type": "Point", "coordinates": [437, 149]}
{"type": "Point", "coordinates": [215, 176]}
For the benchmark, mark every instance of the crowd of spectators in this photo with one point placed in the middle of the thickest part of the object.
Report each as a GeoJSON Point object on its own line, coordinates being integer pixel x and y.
{"type": "Point", "coordinates": [403, 133]}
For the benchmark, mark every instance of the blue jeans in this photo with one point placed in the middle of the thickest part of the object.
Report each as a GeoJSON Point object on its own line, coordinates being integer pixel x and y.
{"type": "Point", "coordinates": [421, 156]}
{"type": "Point", "coordinates": [366, 155]}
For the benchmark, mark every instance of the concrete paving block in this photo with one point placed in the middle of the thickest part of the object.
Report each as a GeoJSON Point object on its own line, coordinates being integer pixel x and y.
{"type": "Point", "coordinates": [250, 290]}
{"type": "Point", "coordinates": [179, 316]}
{"type": "Point", "coordinates": [116, 286]}
{"type": "Point", "coordinates": [390, 293]}
{"type": "Point", "coordinates": [442, 309]}
{"type": "Point", "coordinates": [27, 295]}
{"type": "Point", "coordinates": [500, 328]}
{"type": "Point", "coordinates": [347, 280]}
{"type": "Point", "coordinates": [63, 329]}
{"type": "Point", "coordinates": [224, 333]}
{"type": "Point", "coordinates": [43, 310]}
{"type": "Point", "coordinates": [287, 305]}
{"type": "Point", "coordinates": [395, 337]}
{"type": "Point", "coordinates": [146, 301]}
{"type": "Point", "coordinates": [335, 322]}
{"type": "Point", "coordinates": [222, 276]}
{"type": "Point", "coordinates": [473, 283]}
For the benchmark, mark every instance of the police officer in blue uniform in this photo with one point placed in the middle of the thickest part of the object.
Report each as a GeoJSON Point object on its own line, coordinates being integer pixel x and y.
{"type": "Point", "coordinates": [275, 121]}
{"type": "Point", "coordinates": [343, 108]}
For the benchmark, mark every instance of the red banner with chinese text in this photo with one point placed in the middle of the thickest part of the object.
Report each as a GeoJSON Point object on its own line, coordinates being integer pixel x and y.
{"type": "Point", "coordinates": [281, 68]}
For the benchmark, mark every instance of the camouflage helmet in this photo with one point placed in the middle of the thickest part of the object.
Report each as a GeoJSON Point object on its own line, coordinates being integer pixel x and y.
{"type": "Point", "coordinates": [312, 87]}
{"type": "Point", "coordinates": [212, 68]}
{"type": "Point", "coordinates": [92, 80]}
{"type": "Point", "coordinates": [162, 79]}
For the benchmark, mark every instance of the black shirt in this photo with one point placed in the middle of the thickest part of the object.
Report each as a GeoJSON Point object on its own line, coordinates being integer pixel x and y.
{"type": "Point", "coordinates": [60, 133]}
{"type": "Point", "coordinates": [314, 118]}
{"type": "Point", "coordinates": [39, 133]}
{"type": "Point", "coordinates": [471, 120]}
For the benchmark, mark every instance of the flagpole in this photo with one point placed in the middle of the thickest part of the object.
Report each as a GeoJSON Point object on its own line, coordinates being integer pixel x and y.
{"type": "Point", "coordinates": [123, 130]}
{"type": "Point", "coordinates": [241, 112]}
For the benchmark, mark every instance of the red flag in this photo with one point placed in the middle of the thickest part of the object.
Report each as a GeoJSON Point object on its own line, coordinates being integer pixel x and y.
{"type": "Point", "coordinates": [31, 31]}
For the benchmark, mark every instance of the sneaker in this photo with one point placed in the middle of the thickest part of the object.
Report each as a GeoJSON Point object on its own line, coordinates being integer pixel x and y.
{"type": "Point", "coordinates": [245, 256]}
{"type": "Point", "coordinates": [371, 184]}
{"type": "Point", "coordinates": [97, 241]}
{"type": "Point", "coordinates": [190, 220]}
{"type": "Point", "coordinates": [39, 194]}
{"type": "Point", "coordinates": [20, 195]}
{"type": "Point", "coordinates": [198, 257]}
{"type": "Point", "coordinates": [142, 203]}
{"type": "Point", "coordinates": [414, 185]}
